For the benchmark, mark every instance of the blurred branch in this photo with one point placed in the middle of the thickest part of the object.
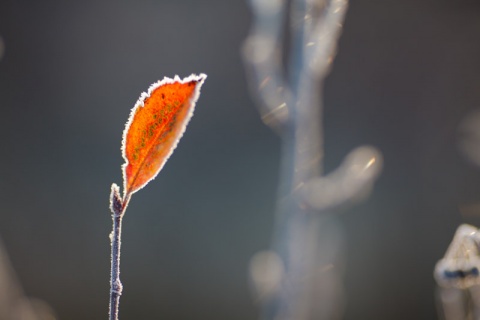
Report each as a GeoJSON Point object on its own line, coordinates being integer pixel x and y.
{"type": "Point", "coordinates": [305, 261]}
{"type": "Point", "coordinates": [262, 53]}
{"type": "Point", "coordinates": [458, 276]}
{"type": "Point", "coordinates": [14, 305]}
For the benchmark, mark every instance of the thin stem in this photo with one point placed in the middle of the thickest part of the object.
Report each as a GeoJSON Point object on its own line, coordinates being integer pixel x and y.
{"type": "Point", "coordinates": [115, 283]}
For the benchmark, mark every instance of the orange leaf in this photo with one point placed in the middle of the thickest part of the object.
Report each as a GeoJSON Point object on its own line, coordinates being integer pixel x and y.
{"type": "Point", "coordinates": [155, 126]}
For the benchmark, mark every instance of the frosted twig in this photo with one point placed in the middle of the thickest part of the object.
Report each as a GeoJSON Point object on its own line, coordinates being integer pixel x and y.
{"type": "Point", "coordinates": [118, 207]}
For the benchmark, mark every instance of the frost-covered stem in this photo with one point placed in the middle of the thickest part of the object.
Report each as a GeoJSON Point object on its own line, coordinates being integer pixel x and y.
{"type": "Point", "coordinates": [118, 207]}
{"type": "Point", "coordinates": [115, 284]}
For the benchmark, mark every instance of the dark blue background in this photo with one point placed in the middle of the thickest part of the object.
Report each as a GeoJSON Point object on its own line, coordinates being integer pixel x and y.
{"type": "Point", "coordinates": [406, 74]}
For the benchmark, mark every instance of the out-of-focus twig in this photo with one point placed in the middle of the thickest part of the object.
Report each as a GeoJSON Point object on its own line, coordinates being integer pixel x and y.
{"type": "Point", "coordinates": [14, 305]}
{"type": "Point", "coordinates": [304, 262]}
{"type": "Point", "coordinates": [262, 52]}
{"type": "Point", "coordinates": [458, 276]}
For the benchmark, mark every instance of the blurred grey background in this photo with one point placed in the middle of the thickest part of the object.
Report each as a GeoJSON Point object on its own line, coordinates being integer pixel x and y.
{"type": "Point", "coordinates": [407, 74]}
